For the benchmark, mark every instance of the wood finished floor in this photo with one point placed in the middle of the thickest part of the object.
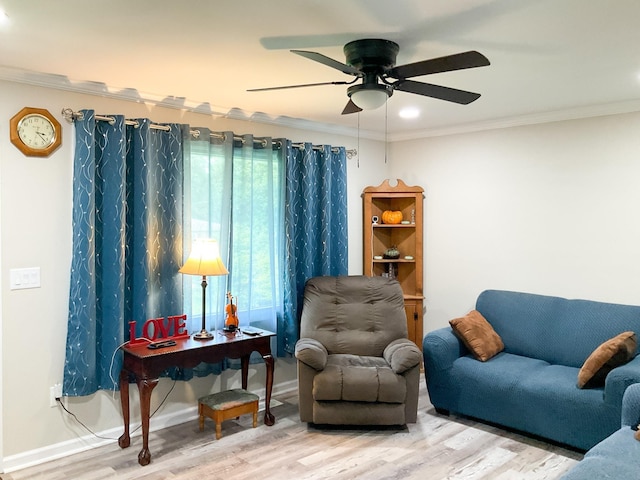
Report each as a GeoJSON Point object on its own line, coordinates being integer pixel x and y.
{"type": "Point", "coordinates": [436, 447]}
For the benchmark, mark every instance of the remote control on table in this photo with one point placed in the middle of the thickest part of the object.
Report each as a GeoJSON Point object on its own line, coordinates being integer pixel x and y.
{"type": "Point", "coordinates": [251, 331]}
{"type": "Point", "coordinates": [163, 344]}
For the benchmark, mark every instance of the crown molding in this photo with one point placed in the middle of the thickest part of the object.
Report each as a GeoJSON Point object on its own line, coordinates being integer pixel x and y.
{"type": "Point", "coordinates": [588, 111]}
{"type": "Point", "coordinates": [62, 82]}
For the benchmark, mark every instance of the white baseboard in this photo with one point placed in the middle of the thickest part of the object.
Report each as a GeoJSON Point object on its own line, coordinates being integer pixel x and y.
{"type": "Point", "coordinates": [87, 442]}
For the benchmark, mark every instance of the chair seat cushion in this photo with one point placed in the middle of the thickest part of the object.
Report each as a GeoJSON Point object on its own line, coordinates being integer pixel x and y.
{"type": "Point", "coordinates": [356, 378]}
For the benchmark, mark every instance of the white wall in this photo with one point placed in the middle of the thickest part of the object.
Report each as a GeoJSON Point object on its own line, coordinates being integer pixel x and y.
{"type": "Point", "coordinates": [548, 208]}
{"type": "Point", "coordinates": [551, 209]}
{"type": "Point", "coordinates": [35, 215]}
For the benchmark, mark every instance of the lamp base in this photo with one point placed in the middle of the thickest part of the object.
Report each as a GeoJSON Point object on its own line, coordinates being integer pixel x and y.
{"type": "Point", "coordinates": [203, 335]}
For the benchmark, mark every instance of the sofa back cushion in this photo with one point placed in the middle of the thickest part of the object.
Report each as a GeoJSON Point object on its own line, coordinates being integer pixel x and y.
{"type": "Point", "coordinates": [356, 315]}
{"type": "Point", "coordinates": [556, 330]}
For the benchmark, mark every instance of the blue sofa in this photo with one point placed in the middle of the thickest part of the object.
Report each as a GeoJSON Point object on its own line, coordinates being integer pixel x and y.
{"type": "Point", "coordinates": [618, 455]}
{"type": "Point", "coordinates": [531, 385]}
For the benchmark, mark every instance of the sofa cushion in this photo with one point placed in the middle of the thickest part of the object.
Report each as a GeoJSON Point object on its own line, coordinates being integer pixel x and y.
{"type": "Point", "coordinates": [610, 354]}
{"type": "Point", "coordinates": [532, 396]}
{"type": "Point", "coordinates": [355, 378]}
{"type": "Point", "coordinates": [617, 456]}
{"type": "Point", "coordinates": [478, 335]}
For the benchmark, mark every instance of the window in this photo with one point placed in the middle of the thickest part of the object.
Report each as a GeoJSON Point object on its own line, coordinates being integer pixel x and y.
{"type": "Point", "coordinates": [234, 193]}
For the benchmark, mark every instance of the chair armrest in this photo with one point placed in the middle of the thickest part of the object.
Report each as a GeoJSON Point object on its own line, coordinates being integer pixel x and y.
{"type": "Point", "coordinates": [402, 354]}
{"type": "Point", "coordinates": [311, 352]}
{"type": "Point", "coordinates": [631, 406]}
{"type": "Point", "coordinates": [619, 379]}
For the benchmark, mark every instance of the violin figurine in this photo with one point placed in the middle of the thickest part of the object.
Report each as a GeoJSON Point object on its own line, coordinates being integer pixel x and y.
{"type": "Point", "coordinates": [231, 323]}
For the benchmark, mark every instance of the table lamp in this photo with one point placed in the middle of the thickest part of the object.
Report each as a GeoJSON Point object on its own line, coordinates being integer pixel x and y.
{"type": "Point", "coordinates": [204, 260]}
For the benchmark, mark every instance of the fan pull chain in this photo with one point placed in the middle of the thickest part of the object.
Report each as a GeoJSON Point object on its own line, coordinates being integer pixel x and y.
{"type": "Point", "coordinates": [358, 139]}
{"type": "Point", "coordinates": [386, 111]}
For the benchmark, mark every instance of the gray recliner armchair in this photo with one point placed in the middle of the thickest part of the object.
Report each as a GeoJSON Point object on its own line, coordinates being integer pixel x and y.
{"type": "Point", "coordinates": [356, 365]}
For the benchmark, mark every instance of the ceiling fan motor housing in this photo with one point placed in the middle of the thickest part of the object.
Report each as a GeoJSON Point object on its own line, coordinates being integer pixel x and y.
{"type": "Point", "coordinates": [371, 55]}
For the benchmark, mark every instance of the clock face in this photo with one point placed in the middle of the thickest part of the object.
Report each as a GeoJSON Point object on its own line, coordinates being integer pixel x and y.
{"type": "Point", "coordinates": [36, 131]}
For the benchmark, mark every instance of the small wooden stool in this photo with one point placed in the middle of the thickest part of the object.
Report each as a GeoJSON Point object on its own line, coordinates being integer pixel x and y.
{"type": "Point", "coordinates": [222, 406]}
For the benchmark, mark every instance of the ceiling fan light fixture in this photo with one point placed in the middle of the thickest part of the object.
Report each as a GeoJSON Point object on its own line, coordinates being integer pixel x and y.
{"type": "Point", "coordinates": [369, 97]}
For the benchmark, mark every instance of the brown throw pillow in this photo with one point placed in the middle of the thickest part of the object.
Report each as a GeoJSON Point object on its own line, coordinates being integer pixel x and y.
{"type": "Point", "coordinates": [478, 335]}
{"type": "Point", "coordinates": [611, 354]}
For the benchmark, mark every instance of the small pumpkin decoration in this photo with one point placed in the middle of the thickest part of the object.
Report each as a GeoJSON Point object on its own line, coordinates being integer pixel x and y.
{"type": "Point", "coordinates": [391, 252]}
{"type": "Point", "coordinates": [392, 217]}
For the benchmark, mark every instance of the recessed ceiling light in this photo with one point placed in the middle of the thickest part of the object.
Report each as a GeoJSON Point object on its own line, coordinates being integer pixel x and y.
{"type": "Point", "coordinates": [4, 17]}
{"type": "Point", "coordinates": [409, 112]}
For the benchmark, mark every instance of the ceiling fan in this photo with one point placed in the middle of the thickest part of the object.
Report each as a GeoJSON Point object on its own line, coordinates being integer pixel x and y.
{"type": "Point", "coordinates": [373, 60]}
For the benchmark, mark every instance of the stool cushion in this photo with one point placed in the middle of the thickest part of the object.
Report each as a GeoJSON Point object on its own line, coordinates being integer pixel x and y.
{"type": "Point", "coordinates": [228, 399]}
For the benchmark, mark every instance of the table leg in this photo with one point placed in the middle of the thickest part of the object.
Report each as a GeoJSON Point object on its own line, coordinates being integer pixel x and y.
{"type": "Point", "coordinates": [145, 387]}
{"type": "Point", "coordinates": [244, 362]}
{"type": "Point", "coordinates": [124, 441]}
{"type": "Point", "coordinates": [269, 419]}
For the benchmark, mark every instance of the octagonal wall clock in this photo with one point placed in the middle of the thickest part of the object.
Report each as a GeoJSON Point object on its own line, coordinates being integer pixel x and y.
{"type": "Point", "coordinates": [35, 132]}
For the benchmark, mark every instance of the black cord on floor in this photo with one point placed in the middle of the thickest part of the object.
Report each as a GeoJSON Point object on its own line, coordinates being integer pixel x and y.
{"type": "Point", "coordinates": [109, 438]}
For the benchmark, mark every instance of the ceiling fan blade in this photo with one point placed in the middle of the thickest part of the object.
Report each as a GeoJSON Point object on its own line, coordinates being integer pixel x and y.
{"type": "Point", "coordinates": [351, 107]}
{"type": "Point", "coordinates": [329, 62]}
{"type": "Point", "coordinates": [458, 61]}
{"type": "Point", "coordinates": [436, 91]}
{"type": "Point", "coordinates": [297, 86]}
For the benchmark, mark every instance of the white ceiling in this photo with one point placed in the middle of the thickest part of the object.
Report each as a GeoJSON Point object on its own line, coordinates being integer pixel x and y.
{"type": "Point", "coordinates": [550, 59]}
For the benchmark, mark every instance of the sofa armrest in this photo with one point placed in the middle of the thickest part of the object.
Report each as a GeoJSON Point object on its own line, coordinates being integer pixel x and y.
{"type": "Point", "coordinates": [402, 354]}
{"type": "Point", "coordinates": [619, 379]}
{"type": "Point", "coordinates": [631, 406]}
{"type": "Point", "coordinates": [441, 348]}
{"type": "Point", "coordinates": [311, 352]}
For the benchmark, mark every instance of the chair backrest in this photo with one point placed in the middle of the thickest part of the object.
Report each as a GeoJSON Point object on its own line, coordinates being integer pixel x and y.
{"type": "Point", "coordinates": [359, 315]}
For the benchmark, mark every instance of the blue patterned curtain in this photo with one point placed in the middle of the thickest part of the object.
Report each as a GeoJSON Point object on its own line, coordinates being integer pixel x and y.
{"type": "Point", "coordinates": [280, 215]}
{"type": "Point", "coordinates": [127, 242]}
{"type": "Point", "coordinates": [315, 226]}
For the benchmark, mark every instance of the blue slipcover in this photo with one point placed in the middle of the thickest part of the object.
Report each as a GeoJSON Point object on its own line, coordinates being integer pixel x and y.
{"type": "Point", "coordinates": [617, 456]}
{"type": "Point", "coordinates": [531, 385]}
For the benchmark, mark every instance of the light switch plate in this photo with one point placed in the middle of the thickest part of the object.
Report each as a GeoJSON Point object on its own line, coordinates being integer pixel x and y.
{"type": "Point", "coordinates": [22, 278]}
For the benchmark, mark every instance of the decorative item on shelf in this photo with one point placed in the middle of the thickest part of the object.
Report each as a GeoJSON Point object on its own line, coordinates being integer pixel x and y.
{"type": "Point", "coordinates": [231, 323]}
{"type": "Point", "coordinates": [392, 253]}
{"type": "Point", "coordinates": [413, 216]}
{"type": "Point", "coordinates": [392, 217]}
{"type": "Point", "coordinates": [392, 270]}
{"type": "Point", "coordinates": [204, 260]}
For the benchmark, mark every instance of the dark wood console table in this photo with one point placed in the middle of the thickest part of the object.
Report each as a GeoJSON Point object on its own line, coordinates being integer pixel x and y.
{"type": "Point", "coordinates": [146, 365]}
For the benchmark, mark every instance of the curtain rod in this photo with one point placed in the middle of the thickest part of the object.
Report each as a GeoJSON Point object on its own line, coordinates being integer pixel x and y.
{"type": "Point", "coordinates": [71, 116]}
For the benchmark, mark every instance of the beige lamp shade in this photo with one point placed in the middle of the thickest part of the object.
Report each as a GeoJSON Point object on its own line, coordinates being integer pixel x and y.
{"type": "Point", "coordinates": [204, 259]}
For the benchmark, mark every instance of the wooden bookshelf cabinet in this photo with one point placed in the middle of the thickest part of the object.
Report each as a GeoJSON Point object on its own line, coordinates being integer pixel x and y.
{"type": "Point", "coordinates": [406, 237]}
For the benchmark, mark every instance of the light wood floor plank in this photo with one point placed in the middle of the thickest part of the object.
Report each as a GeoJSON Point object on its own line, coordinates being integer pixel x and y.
{"type": "Point", "coordinates": [436, 447]}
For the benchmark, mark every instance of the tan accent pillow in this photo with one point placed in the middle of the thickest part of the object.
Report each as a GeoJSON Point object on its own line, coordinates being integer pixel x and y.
{"type": "Point", "coordinates": [478, 335]}
{"type": "Point", "coordinates": [609, 355]}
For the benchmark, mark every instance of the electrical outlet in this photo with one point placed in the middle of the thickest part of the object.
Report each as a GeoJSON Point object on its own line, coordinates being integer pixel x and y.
{"type": "Point", "coordinates": [55, 393]}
